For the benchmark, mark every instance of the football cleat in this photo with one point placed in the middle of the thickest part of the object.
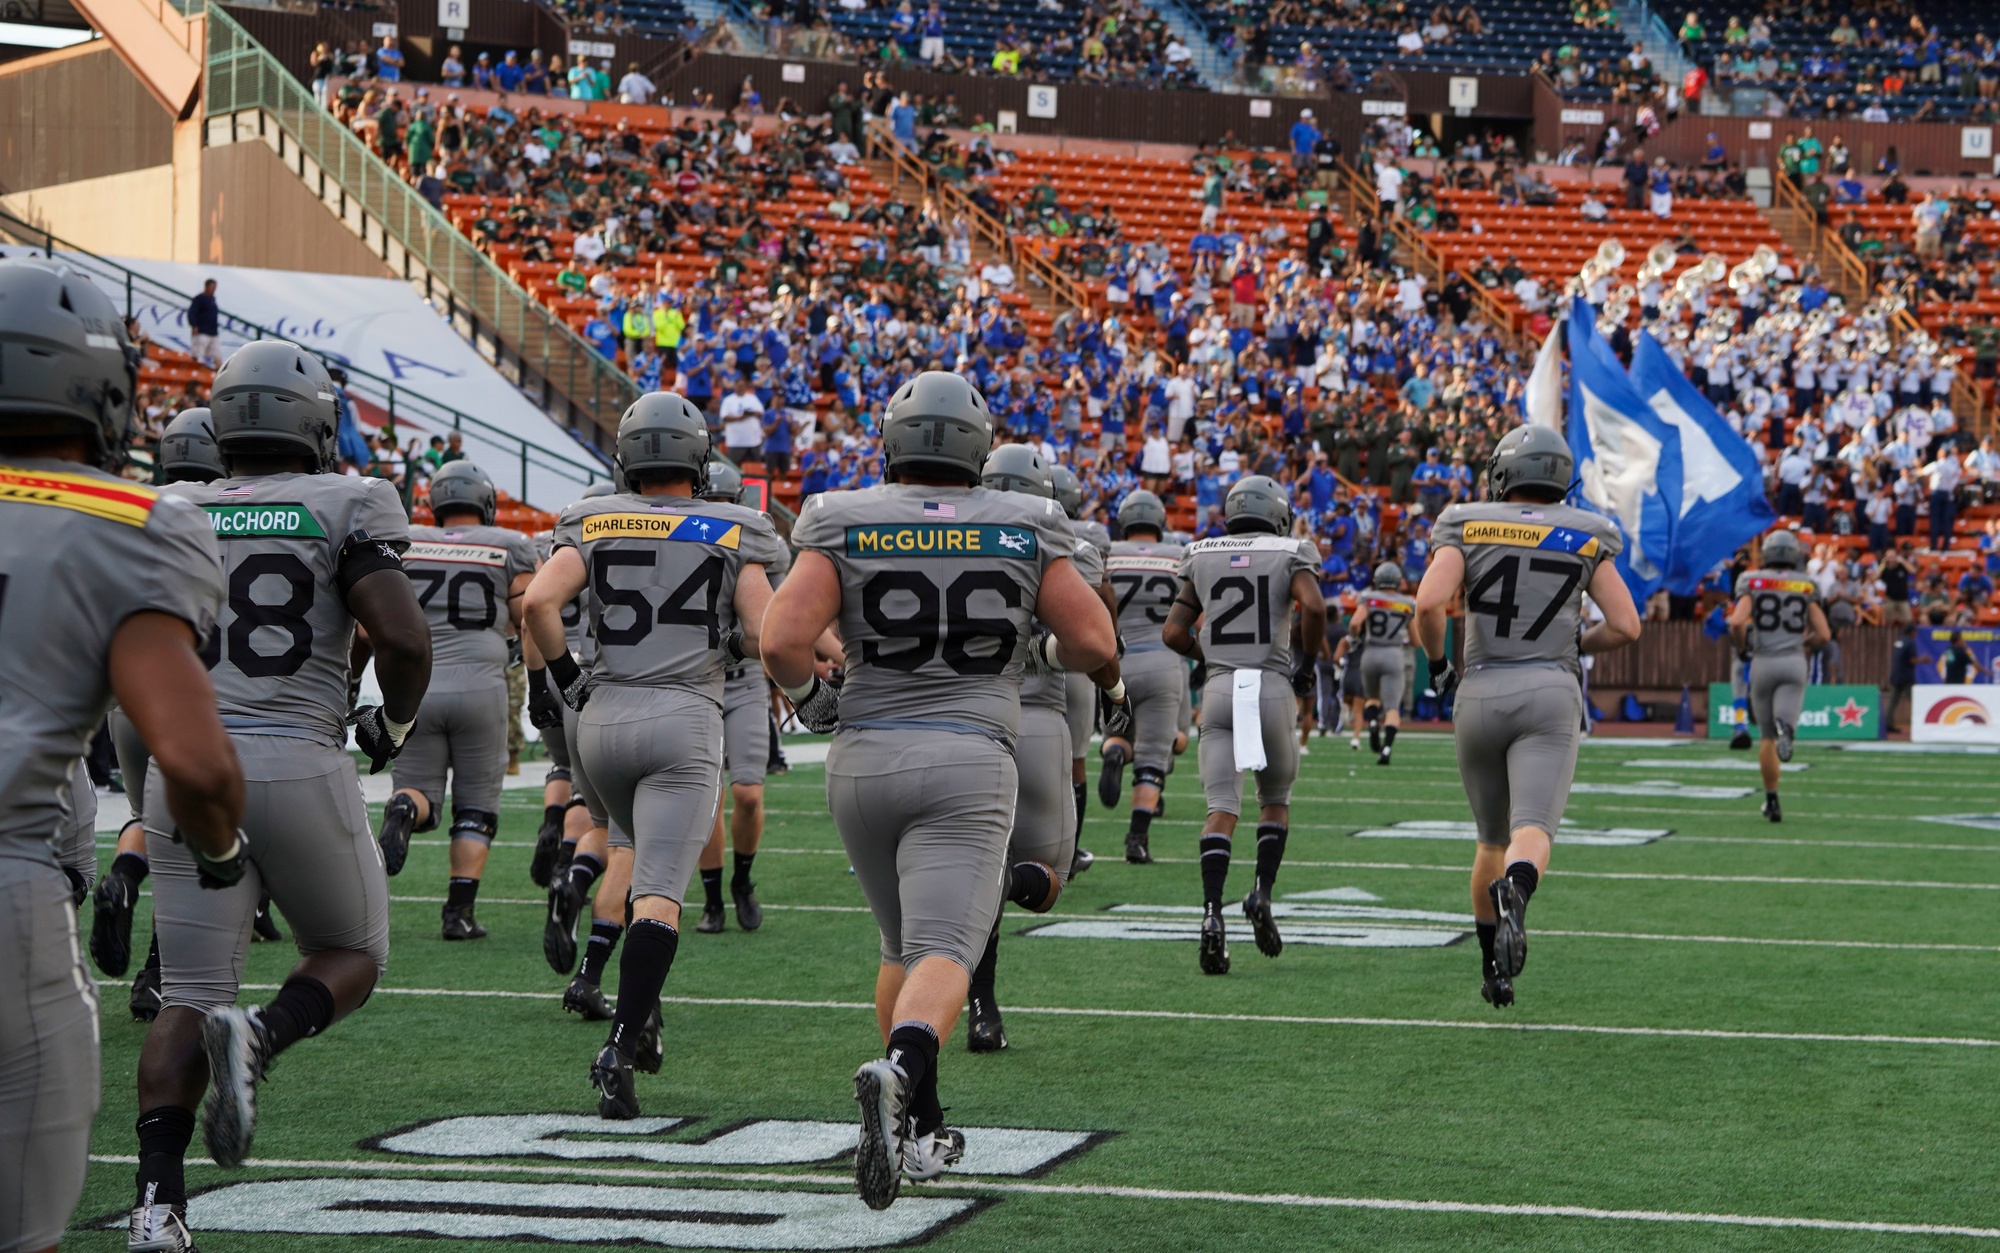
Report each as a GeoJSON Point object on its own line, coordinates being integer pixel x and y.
{"type": "Point", "coordinates": [713, 920]}
{"type": "Point", "coordinates": [1257, 908]}
{"type": "Point", "coordinates": [648, 1053]}
{"type": "Point", "coordinates": [145, 1000]}
{"type": "Point", "coordinates": [1741, 740]}
{"type": "Point", "coordinates": [1354, 743]}
{"type": "Point", "coordinates": [1382, 758]}
{"type": "Point", "coordinates": [158, 1229]}
{"type": "Point", "coordinates": [749, 911]}
{"type": "Point", "coordinates": [238, 1049]}
{"type": "Point", "coordinates": [548, 840]}
{"type": "Point", "coordinates": [111, 923]}
{"type": "Point", "coordinates": [929, 1155]}
{"type": "Point", "coordinates": [1771, 810]}
{"type": "Point", "coordinates": [459, 924]}
{"type": "Point", "coordinates": [1497, 991]}
{"type": "Point", "coordinates": [399, 818]}
{"type": "Point", "coordinates": [1214, 946]}
{"type": "Point", "coordinates": [586, 998]}
{"type": "Point", "coordinates": [1111, 780]}
{"type": "Point", "coordinates": [617, 1092]}
{"type": "Point", "coordinates": [1785, 733]}
{"type": "Point", "coordinates": [881, 1089]}
{"type": "Point", "coordinates": [1510, 940]}
{"type": "Point", "coordinates": [1081, 861]}
{"type": "Point", "coordinates": [984, 1033]}
{"type": "Point", "coordinates": [264, 928]}
{"type": "Point", "coordinates": [559, 931]}
{"type": "Point", "coordinates": [1136, 850]}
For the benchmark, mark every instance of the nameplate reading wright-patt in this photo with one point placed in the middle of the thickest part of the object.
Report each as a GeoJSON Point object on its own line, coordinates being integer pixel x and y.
{"type": "Point", "coordinates": [940, 539]}
{"type": "Point", "coordinates": [1530, 535]}
{"type": "Point", "coordinates": [456, 554]}
{"type": "Point", "coordinates": [689, 528]}
{"type": "Point", "coordinates": [263, 521]}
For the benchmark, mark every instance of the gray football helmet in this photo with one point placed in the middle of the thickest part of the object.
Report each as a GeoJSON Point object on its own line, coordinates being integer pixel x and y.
{"type": "Point", "coordinates": [1531, 456]}
{"type": "Point", "coordinates": [1257, 503]}
{"type": "Point", "coordinates": [725, 482]}
{"type": "Point", "coordinates": [1142, 509]}
{"type": "Point", "coordinates": [1069, 489]}
{"type": "Point", "coordinates": [937, 424]}
{"type": "Point", "coordinates": [66, 366]}
{"type": "Point", "coordinates": [187, 449]}
{"type": "Point", "coordinates": [272, 397]}
{"type": "Point", "coordinates": [462, 485]}
{"type": "Point", "coordinates": [663, 431]}
{"type": "Point", "coordinates": [1782, 551]}
{"type": "Point", "coordinates": [602, 487]}
{"type": "Point", "coordinates": [1018, 468]}
{"type": "Point", "coordinates": [1388, 577]}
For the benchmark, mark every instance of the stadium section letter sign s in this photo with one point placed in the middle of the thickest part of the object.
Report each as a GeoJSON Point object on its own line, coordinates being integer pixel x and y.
{"type": "Point", "coordinates": [1833, 711]}
{"type": "Point", "coordinates": [1955, 713]}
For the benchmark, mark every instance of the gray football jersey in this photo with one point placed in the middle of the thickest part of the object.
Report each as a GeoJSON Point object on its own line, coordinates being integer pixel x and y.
{"type": "Point", "coordinates": [938, 588]}
{"type": "Point", "coordinates": [746, 683]}
{"type": "Point", "coordinates": [80, 552]}
{"type": "Point", "coordinates": [462, 577]}
{"type": "Point", "coordinates": [1099, 538]}
{"type": "Point", "coordinates": [1385, 617]}
{"type": "Point", "coordinates": [1526, 568]}
{"type": "Point", "coordinates": [279, 653]}
{"type": "Point", "coordinates": [1145, 578]}
{"type": "Point", "coordinates": [1244, 583]}
{"type": "Point", "coordinates": [1051, 691]}
{"type": "Point", "coordinates": [1779, 600]}
{"type": "Point", "coordinates": [576, 633]}
{"type": "Point", "coordinates": [661, 591]}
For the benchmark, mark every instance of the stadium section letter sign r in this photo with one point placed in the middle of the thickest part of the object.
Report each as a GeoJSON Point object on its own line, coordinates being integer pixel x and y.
{"type": "Point", "coordinates": [455, 13]}
{"type": "Point", "coordinates": [1833, 711]}
{"type": "Point", "coordinates": [1954, 713]}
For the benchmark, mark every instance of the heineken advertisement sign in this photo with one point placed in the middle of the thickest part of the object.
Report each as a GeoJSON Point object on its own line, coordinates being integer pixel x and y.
{"type": "Point", "coordinates": [1834, 711]}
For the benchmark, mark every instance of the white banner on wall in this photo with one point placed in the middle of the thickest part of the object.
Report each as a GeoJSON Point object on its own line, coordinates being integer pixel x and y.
{"type": "Point", "coordinates": [1955, 713]}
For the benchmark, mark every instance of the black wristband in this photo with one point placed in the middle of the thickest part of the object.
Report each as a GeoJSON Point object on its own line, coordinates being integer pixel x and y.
{"type": "Point", "coordinates": [563, 671]}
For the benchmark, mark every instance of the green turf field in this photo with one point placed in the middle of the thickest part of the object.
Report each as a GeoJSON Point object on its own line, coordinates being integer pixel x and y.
{"type": "Point", "coordinates": [1735, 1037]}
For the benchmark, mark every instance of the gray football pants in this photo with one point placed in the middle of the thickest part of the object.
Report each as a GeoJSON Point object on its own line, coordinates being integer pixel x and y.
{"type": "Point", "coordinates": [1156, 688]}
{"type": "Point", "coordinates": [655, 761]}
{"type": "Point", "coordinates": [1777, 691]}
{"type": "Point", "coordinates": [925, 818]}
{"type": "Point", "coordinates": [310, 848]}
{"type": "Point", "coordinates": [48, 1056]}
{"type": "Point", "coordinates": [1382, 675]}
{"type": "Point", "coordinates": [1279, 716]}
{"type": "Point", "coordinates": [1516, 730]}
{"type": "Point", "coordinates": [746, 733]}
{"type": "Point", "coordinates": [461, 728]}
{"type": "Point", "coordinates": [1080, 714]}
{"type": "Point", "coordinates": [1045, 810]}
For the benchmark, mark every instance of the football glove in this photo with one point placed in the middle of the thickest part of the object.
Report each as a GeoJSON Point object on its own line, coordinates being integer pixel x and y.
{"type": "Point", "coordinates": [544, 712]}
{"type": "Point", "coordinates": [79, 887]}
{"type": "Point", "coordinates": [226, 871]}
{"type": "Point", "coordinates": [1444, 678]}
{"type": "Point", "coordinates": [1115, 712]}
{"type": "Point", "coordinates": [732, 648]}
{"type": "Point", "coordinates": [514, 657]}
{"type": "Point", "coordinates": [380, 739]}
{"type": "Point", "coordinates": [1042, 654]}
{"type": "Point", "coordinates": [817, 704]}
{"type": "Point", "coordinates": [571, 683]}
{"type": "Point", "coordinates": [1303, 679]}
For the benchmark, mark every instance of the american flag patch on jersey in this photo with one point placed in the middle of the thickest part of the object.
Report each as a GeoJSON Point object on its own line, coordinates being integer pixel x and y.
{"type": "Point", "coordinates": [1239, 559]}
{"type": "Point", "coordinates": [228, 492]}
{"type": "Point", "coordinates": [1533, 515]}
{"type": "Point", "coordinates": [940, 509]}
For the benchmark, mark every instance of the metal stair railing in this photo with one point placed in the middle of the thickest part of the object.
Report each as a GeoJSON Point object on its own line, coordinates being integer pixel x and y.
{"type": "Point", "coordinates": [533, 347]}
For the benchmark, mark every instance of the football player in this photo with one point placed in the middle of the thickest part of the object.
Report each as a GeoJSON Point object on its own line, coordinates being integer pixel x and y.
{"type": "Point", "coordinates": [1382, 625]}
{"type": "Point", "coordinates": [935, 583]}
{"type": "Point", "coordinates": [306, 555]}
{"type": "Point", "coordinates": [1777, 618]}
{"type": "Point", "coordinates": [106, 589]}
{"type": "Point", "coordinates": [1042, 847]}
{"type": "Point", "coordinates": [1082, 708]}
{"type": "Point", "coordinates": [675, 589]}
{"type": "Point", "coordinates": [470, 576]}
{"type": "Point", "coordinates": [1524, 560]}
{"type": "Point", "coordinates": [1233, 614]}
{"type": "Point", "coordinates": [1143, 568]}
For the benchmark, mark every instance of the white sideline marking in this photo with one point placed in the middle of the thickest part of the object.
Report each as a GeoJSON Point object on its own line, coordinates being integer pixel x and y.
{"type": "Point", "coordinates": [1708, 763]}
{"type": "Point", "coordinates": [1903, 746]}
{"type": "Point", "coordinates": [1626, 874]}
{"type": "Point", "coordinates": [1460, 831]}
{"type": "Point", "coordinates": [1179, 1015]}
{"type": "Point", "coordinates": [1296, 1200]}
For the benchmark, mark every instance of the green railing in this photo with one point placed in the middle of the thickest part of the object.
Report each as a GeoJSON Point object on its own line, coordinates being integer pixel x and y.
{"type": "Point", "coordinates": [243, 76]}
{"type": "Point", "coordinates": [395, 400]}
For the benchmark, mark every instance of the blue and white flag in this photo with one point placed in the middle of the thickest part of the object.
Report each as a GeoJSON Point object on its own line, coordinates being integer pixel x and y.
{"type": "Point", "coordinates": [1628, 461]}
{"type": "Point", "coordinates": [1723, 505]}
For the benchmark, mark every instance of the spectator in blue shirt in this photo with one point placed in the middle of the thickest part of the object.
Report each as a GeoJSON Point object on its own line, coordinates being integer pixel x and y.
{"type": "Point", "coordinates": [603, 336]}
{"type": "Point", "coordinates": [389, 61]}
{"type": "Point", "coordinates": [1432, 481]}
{"type": "Point", "coordinates": [482, 73]}
{"type": "Point", "coordinates": [1305, 144]}
{"type": "Point", "coordinates": [508, 76]}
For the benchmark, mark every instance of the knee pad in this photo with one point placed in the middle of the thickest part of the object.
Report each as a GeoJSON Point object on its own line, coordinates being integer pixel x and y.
{"type": "Point", "coordinates": [574, 802]}
{"type": "Point", "coordinates": [1149, 776]}
{"type": "Point", "coordinates": [556, 774]}
{"type": "Point", "coordinates": [430, 822]}
{"type": "Point", "coordinates": [1372, 711]}
{"type": "Point", "coordinates": [474, 824]}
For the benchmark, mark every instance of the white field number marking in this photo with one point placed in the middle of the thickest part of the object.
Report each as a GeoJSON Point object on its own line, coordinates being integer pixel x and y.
{"type": "Point", "coordinates": [1314, 934]}
{"type": "Point", "coordinates": [1661, 787]}
{"type": "Point", "coordinates": [1606, 837]}
{"type": "Point", "coordinates": [674, 1218]}
{"type": "Point", "coordinates": [1979, 822]}
{"type": "Point", "coordinates": [1708, 763]}
{"type": "Point", "coordinates": [765, 1142]}
{"type": "Point", "coordinates": [1311, 910]}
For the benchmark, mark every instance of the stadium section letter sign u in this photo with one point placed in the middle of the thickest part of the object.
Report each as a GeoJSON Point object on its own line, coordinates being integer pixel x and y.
{"type": "Point", "coordinates": [1833, 711]}
{"type": "Point", "coordinates": [1955, 713]}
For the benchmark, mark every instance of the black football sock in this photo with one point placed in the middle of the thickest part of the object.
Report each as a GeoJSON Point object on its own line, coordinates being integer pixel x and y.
{"type": "Point", "coordinates": [1142, 822]}
{"type": "Point", "coordinates": [1214, 870]}
{"type": "Point", "coordinates": [132, 866]}
{"type": "Point", "coordinates": [567, 849]}
{"type": "Point", "coordinates": [982, 974]}
{"type": "Point", "coordinates": [1030, 885]}
{"type": "Point", "coordinates": [153, 954]}
{"type": "Point", "coordinates": [1389, 736]}
{"type": "Point", "coordinates": [461, 892]}
{"type": "Point", "coordinates": [1487, 931]}
{"type": "Point", "coordinates": [583, 871]}
{"type": "Point", "coordinates": [711, 889]}
{"type": "Point", "coordinates": [164, 1135]}
{"type": "Point", "coordinates": [739, 877]}
{"type": "Point", "coordinates": [1270, 853]}
{"type": "Point", "coordinates": [1082, 804]}
{"type": "Point", "coordinates": [303, 1007]}
{"type": "Point", "coordinates": [552, 815]}
{"type": "Point", "coordinates": [1770, 796]}
{"type": "Point", "coordinates": [1524, 877]}
{"type": "Point", "coordinates": [913, 1046]}
{"type": "Point", "coordinates": [649, 954]}
{"type": "Point", "coordinates": [597, 950]}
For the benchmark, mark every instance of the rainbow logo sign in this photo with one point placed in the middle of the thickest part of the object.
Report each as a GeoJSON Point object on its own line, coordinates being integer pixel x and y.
{"type": "Point", "coordinates": [1955, 711]}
